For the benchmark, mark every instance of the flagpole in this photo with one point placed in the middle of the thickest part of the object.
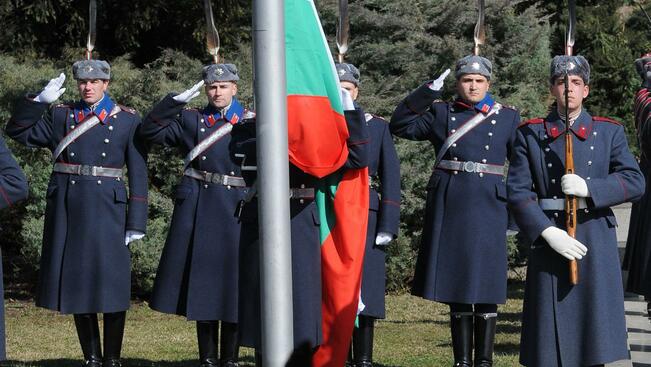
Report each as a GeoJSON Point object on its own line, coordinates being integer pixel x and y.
{"type": "Point", "coordinates": [273, 182]}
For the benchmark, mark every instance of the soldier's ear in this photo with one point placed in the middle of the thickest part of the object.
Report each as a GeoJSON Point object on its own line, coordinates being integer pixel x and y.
{"type": "Point", "coordinates": [586, 90]}
{"type": "Point", "coordinates": [234, 88]}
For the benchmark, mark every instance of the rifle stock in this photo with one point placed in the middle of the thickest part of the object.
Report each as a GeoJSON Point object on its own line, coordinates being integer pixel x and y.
{"type": "Point", "coordinates": [570, 206]}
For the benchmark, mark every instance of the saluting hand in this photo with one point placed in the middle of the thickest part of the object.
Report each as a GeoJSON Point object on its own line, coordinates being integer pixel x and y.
{"type": "Point", "coordinates": [347, 100]}
{"type": "Point", "coordinates": [572, 184]}
{"type": "Point", "coordinates": [563, 243]}
{"type": "Point", "coordinates": [186, 96]}
{"type": "Point", "coordinates": [52, 90]}
{"type": "Point", "coordinates": [438, 83]}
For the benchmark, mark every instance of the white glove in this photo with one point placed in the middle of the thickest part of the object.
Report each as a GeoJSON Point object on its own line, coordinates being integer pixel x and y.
{"type": "Point", "coordinates": [572, 184]}
{"type": "Point", "coordinates": [562, 243]}
{"type": "Point", "coordinates": [131, 236]}
{"type": "Point", "coordinates": [52, 90]}
{"type": "Point", "coordinates": [383, 238]}
{"type": "Point", "coordinates": [347, 100]}
{"type": "Point", "coordinates": [438, 83]}
{"type": "Point", "coordinates": [186, 96]}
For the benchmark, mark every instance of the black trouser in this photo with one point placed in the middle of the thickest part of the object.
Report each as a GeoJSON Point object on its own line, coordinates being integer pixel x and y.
{"type": "Point", "coordinates": [473, 323]}
{"type": "Point", "coordinates": [87, 327]}
{"type": "Point", "coordinates": [208, 338]}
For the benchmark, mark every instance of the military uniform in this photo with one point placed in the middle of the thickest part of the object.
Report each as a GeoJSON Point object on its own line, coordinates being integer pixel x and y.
{"type": "Point", "coordinates": [637, 259]}
{"type": "Point", "coordinates": [452, 262]}
{"type": "Point", "coordinates": [85, 266]}
{"type": "Point", "coordinates": [305, 249]}
{"type": "Point", "coordinates": [198, 272]}
{"type": "Point", "coordinates": [383, 222]}
{"type": "Point", "coordinates": [462, 259]}
{"type": "Point", "coordinates": [13, 188]}
{"type": "Point", "coordinates": [384, 213]}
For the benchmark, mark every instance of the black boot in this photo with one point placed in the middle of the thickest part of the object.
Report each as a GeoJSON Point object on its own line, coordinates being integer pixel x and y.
{"type": "Point", "coordinates": [207, 336]}
{"type": "Point", "coordinates": [229, 347]}
{"type": "Point", "coordinates": [363, 342]}
{"type": "Point", "coordinates": [88, 332]}
{"type": "Point", "coordinates": [113, 334]}
{"type": "Point", "coordinates": [349, 360]}
{"type": "Point", "coordinates": [484, 338]}
{"type": "Point", "coordinates": [461, 329]}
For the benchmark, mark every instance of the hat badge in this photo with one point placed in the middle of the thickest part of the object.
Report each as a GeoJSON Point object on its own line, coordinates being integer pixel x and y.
{"type": "Point", "coordinates": [341, 72]}
{"type": "Point", "coordinates": [220, 71]}
{"type": "Point", "coordinates": [88, 68]}
{"type": "Point", "coordinates": [475, 65]}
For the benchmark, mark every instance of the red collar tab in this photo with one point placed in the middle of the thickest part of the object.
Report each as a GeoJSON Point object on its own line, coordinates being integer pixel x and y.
{"type": "Point", "coordinates": [581, 130]}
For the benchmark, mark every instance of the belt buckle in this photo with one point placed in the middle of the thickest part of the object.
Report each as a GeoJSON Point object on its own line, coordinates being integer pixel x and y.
{"type": "Point", "coordinates": [85, 170]}
{"type": "Point", "coordinates": [469, 166]}
{"type": "Point", "coordinates": [224, 180]}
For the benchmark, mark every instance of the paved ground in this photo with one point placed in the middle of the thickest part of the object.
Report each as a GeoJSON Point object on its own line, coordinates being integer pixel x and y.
{"type": "Point", "coordinates": [637, 322]}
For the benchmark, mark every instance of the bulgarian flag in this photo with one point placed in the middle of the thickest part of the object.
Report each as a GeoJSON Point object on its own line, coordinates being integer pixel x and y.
{"type": "Point", "coordinates": [317, 145]}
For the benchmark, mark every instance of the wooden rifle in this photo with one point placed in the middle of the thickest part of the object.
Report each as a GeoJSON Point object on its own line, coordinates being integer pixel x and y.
{"type": "Point", "coordinates": [570, 200]}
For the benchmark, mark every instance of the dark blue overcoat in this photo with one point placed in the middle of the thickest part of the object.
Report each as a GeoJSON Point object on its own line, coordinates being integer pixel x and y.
{"type": "Point", "coordinates": [85, 265]}
{"type": "Point", "coordinates": [383, 214]}
{"type": "Point", "coordinates": [565, 325]}
{"type": "Point", "coordinates": [462, 257]}
{"type": "Point", "coordinates": [306, 248]}
{"type": "Point", "coordinates": [637, 259]}
{"type": "Point", "coordinates": [198, 271]}
{"type": "Point", "coordinates": [13, 187]}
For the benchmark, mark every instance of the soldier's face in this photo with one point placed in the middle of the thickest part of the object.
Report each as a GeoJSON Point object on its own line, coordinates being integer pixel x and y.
{"type": "Point", "coordinates": [92, 90]}
{"type": "Point", "coordinates": [220, 94]}
{"type": "Point", "coordinates": [352, 88]}
{"type": "Point", "coordinates": [577, 92]}
{"type": "Point", "coordinates": [472, 87]}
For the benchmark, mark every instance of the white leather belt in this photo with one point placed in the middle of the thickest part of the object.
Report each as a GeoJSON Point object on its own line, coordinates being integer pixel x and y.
{"type": "Point", "coordinates": [471, 167]}
{"type": "Point", "coordinates": [87, 170]}
{"type": "Point", "coordinates": [559, 204]}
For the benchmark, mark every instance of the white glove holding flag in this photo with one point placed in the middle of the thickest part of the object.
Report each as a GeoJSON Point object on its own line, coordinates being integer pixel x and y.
{"type": "Point", "coordinates": [562, 243]}
{"type": "Point", "coordinates": [383, 238]}
{"type": "Point", "coordinates": [186, 96]}
{"type": "Point", "coordinates": [572, 184]}
{"type": "Point", "coordinates": [52, 90]}
{"type": "Point", "coordinates": [131, 236]}
{"type": "Point", "coordinates": [347, 100]}
{"type": "Point", "coordinates": [438, 83]}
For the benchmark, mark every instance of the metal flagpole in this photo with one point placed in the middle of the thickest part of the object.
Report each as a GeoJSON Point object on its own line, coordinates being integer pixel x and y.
{"type": "Point", "coordinates": [273, 182]}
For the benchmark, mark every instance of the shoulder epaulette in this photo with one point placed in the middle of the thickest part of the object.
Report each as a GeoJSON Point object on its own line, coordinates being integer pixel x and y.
{"type": "Point", "coordinates": [190, 109]}
{"type": "Point", "coordinates": [532, 122]}
{"type": "Point", "coordinates": [510, 107]}
{"type": "Point", "coordinates": [380, 117]}
{"type": "Point", "coordinates": [605, 119]}
{"type": "Point", "coordinates": [438, 101]}
{"type": "Point", "coordinates": [128, 109]}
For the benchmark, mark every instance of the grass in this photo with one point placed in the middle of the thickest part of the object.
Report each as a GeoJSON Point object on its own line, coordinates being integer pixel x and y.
{"type": "Point", "coordinates": [415, 333]}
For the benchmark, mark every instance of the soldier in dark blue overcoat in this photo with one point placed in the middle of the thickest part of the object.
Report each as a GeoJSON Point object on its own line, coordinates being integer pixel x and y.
{"type": "Point", "coordinates": [13, 188]}
{"type": "Point", "coordinates": [198, 271]}
{"type": "Point", "coordinates": [383, 220]}
{"type": "Point", "coordinates": [462, 260]}
{"type": "Point", "coordinates": [565, 324]}
{"type": "Point", "coordinates": [90, 217]}
{"type": "Point", "coordinates": [637, 259]}
{"type": "Point", "coordinates": [305, 247]}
